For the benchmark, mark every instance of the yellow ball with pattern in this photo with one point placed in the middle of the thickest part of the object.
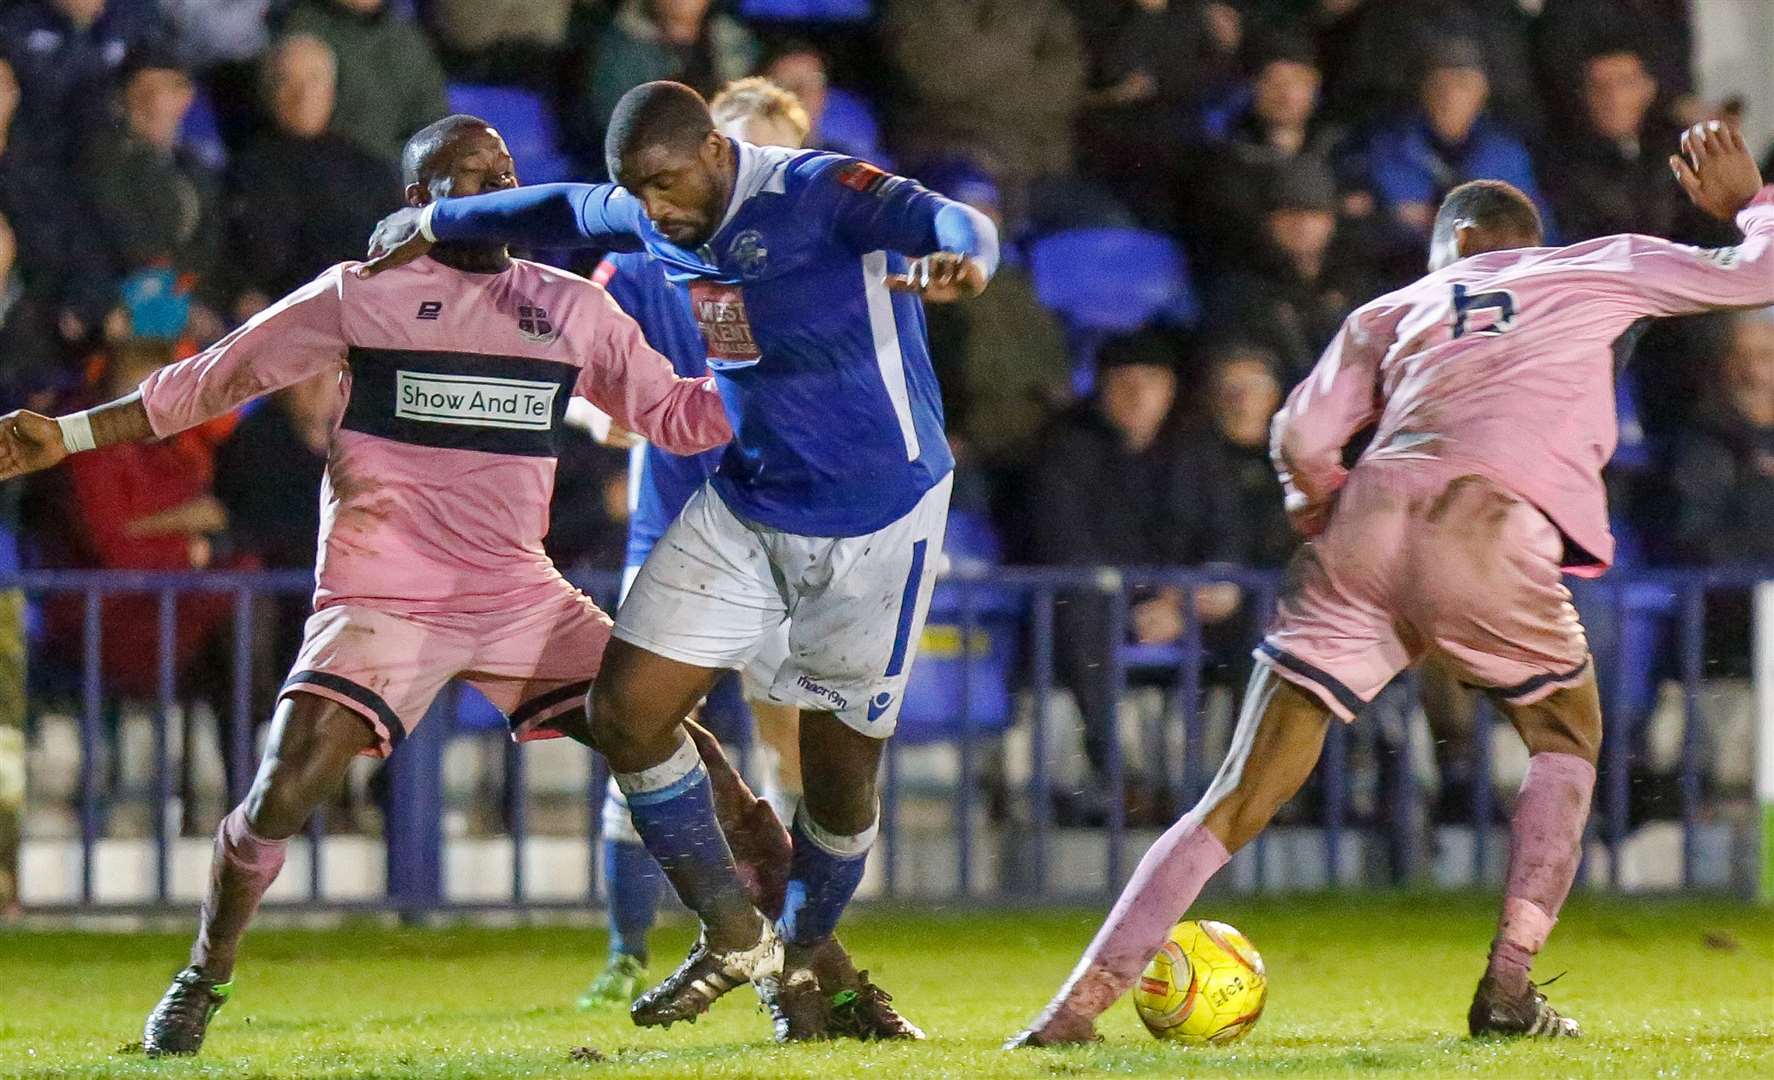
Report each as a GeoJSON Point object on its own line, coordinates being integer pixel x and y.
{"type": "Point", "coordinates": [1206, 985]}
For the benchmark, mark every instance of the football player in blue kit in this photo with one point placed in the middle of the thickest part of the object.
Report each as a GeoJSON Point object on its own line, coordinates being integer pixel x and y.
{"type": "Point", "coordinates": [660, 484]}
{"type": "Point", "coordinates": [804, 271]}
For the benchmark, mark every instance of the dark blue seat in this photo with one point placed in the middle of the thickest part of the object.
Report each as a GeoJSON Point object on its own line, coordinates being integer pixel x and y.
{"type": "Point", "coordinates": [527, 122]}
{"type": "Point", "coordinates": [830, 11]}
{"type": "Point", "coordinates": [1107, 281]}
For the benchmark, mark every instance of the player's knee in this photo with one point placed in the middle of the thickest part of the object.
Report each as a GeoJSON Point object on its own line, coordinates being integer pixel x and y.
{"type": "Point", "coordinates": [276, 808]}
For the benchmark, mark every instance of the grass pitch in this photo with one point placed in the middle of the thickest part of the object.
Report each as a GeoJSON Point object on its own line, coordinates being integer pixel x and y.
{"type": "Point", "coordinates": [1360, 987]}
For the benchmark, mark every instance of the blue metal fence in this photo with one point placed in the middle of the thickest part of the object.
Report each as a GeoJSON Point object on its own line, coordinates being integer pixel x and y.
{"type": "Point", "coordinates": [991, 643]}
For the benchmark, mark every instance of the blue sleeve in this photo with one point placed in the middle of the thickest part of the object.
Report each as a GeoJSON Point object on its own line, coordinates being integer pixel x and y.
{"type": "Point", "coordinates": [872, 210]}
{"type": "Point", "coordinates": [545, 216]}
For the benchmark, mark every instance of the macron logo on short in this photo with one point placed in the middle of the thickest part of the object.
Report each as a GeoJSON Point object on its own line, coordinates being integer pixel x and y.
{"type": "Point", "coordinates": [475, 401]}
{"type": "Point", "coordinates": [837, 700]}
{"type": "Point", "coordinates": [879, 705]}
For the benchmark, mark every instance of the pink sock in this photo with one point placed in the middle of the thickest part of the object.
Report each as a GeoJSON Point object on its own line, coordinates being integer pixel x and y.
{"type": "Point", "coordinates": [1545, 843]}
{"type": "Point", "coordinates": [243, 867]}
{"type": "Point", "coordinates": [1166, 882]}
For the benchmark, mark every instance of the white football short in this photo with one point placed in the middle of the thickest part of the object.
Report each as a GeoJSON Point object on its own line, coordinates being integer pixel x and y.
{"type": "Point", "coordinates": [717, 587]}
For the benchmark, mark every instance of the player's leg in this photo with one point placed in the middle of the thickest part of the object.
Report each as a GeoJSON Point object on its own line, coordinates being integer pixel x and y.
{"type": "Point", "coordinates": [312, 742]}
{"type": "Point", "coordinates": [859, 613]}
{"type": "Point", "coordinates": [778, 726]}
{"type": "Point", "coordinates": [1332, 647]}
{"type": "Point", "coordinates": [1563, 733]}
{"type": "Point", "coordinates": [1487, 589]}
{"type": "Point", "coordinates": [1277, 742]}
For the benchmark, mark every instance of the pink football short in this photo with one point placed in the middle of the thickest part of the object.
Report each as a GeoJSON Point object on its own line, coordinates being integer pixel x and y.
{"type": "Point", "coordinates": [534, 660]}
{"type": "Point", "coordinates": [1427, 558]}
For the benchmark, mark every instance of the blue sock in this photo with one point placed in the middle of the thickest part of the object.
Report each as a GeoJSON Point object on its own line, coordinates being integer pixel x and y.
{"type": "Point", "coordinates": [823, 877]}
{"type": "Point", "coordinates": [632, 879]}
{"type": "Point", "coordinates": [673, 809]}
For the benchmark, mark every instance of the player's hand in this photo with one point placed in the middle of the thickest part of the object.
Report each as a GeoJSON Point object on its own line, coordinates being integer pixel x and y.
{"type": "Point", "coordinates": [942, 278]}
{"type": "Point", "coordinates": [1309, 519]}
{"type": "Point", "coordinates": [29, 442]}
{"type": "Point", "coordinates": [396, 242]}
{"type": "Point", "coordinates": [1716, 169]}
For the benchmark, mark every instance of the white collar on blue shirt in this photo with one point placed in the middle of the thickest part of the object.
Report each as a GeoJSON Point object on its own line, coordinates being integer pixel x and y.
{"type": "Point", "coordinates": [758, 169]}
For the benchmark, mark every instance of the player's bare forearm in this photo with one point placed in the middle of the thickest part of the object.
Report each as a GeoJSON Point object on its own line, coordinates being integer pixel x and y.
{"type": "Point", "coordinates": [31, 442]}
{"type": "Point", "coordinates": [120, 421]}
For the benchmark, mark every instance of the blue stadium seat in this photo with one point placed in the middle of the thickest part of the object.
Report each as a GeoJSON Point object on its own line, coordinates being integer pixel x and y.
{"type": "Point", "coordinates": [527, 122]}
{"type": "Point", "coordinates": [831, 11]}
{"type": "Point", "coordinates": [1112, 281]}
{"type": "Point", "coordinates": [201, 132]}
{"type": "Point", "coordinates": [848, 126]}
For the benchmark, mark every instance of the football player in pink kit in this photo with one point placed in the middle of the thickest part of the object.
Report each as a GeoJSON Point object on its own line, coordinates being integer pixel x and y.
{"type": "Point", "coordinates": [1491, 382]}
{"type": "Point", "coordinates": [454, 376]}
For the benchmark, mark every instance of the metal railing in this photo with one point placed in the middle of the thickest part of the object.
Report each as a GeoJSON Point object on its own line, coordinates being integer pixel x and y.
{"type": "Point", "coordinates": [1004, 622]}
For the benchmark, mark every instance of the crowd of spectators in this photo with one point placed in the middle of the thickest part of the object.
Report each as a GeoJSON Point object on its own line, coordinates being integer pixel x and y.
{"type": "Point", "coordinates": [168, 167]}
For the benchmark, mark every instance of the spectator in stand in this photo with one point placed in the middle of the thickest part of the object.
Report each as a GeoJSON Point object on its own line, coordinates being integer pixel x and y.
{"type": "Point", "coordinates": [1154, 68]}
{"type": "Point", "coordinates": [301, 198]}
{"type": "Point", "coordinates": [66, 54]}
{"type": "Point", "coordinates": [390, 82]}
{"type": "Point", "coordinates": [58, 262]}
{"type": "Point", "coordinates": [1304, 278]}
{"type": "Point", "coordinates": [220, 42]}
{"type": "Point", "coordinates": [1611, 175]}
{"type": "Point", "coordinates": [994, 81]}
{"type": "Point", "coordinates": [139, 506]}
{"type": "Point", "coordinates": [30, 367]}
{"type": "Point", "coordinates": [1281, 126]}
{"type": "Point", "coordinates": [1722, 476]}
{"type": "Point", "coordinates": [1660, 32]}
{"type": "Point", "coordinates": [153, 205]}
{"type": "Point", "coordinates": [1113, 485]}
{"type": "Point", "coordinates": [659, 39]}
{"type": "Point", "coordinates": [1723, 468]}
{"type": "Point", "coordinates": [501, 41]}
{"type": "Point", "coordinates": [1000, 358]}
{"type": "Point", "coordinates": [803, 71]}
{"type": "Point", "coordinates": [1374, 48]}
{"type": "Point", "coordinates": [1239, 517]}
{"type": "Point", "coordinates": [1448, 140]}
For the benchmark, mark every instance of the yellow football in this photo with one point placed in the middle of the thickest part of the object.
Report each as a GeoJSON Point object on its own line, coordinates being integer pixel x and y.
{"type": "Point", "coordinates": [1206, 985]}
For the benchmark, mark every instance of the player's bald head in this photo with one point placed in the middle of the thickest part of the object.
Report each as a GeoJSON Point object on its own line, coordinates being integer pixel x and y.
{"type": "Point", "coordinates": [655, 115]}
{"type": "Point", "coordinates": [433, 148]}
{"type": "Point", "coordinates": [1480, 216]}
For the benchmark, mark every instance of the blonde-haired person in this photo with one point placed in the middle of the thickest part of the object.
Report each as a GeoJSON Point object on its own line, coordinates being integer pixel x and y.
{"type": "Point", "coordinates": [753, 110]}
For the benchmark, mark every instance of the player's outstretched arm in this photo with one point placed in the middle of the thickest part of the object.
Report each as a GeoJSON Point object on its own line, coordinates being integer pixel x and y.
{"type": "Point", "coordinates": [955, 246]}
{"type": "Point", "coordinates": [624, 377]}
{"type": "Point", "coordinates": [1659, 277]}
{"type": "Point", "coordinates": [543, 216]}
{"type": "Point", "coordinates": [31, 442]}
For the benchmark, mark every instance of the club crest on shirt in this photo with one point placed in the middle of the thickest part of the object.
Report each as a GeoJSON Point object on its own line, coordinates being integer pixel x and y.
{"type": "Point", "coordinates": [534, 323]}
{"type": "Point", "coordinates": [749, 253]}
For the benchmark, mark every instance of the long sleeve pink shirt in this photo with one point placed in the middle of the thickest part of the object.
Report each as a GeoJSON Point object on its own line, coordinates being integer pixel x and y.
{"type": "Point", "coordinates": [453, 388]}
{"type": "Point", "coordinates": [1503, 364]}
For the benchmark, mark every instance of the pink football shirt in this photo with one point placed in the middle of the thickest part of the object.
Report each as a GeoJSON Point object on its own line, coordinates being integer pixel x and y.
{"type": "Point", "coordinates": [453, 388]}
{"type": "Point", "coordinates": [1503, 365]}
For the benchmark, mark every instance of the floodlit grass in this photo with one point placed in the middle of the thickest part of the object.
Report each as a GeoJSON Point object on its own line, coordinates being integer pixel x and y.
{"type": "Point", "coordinates": [1360, 987]}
